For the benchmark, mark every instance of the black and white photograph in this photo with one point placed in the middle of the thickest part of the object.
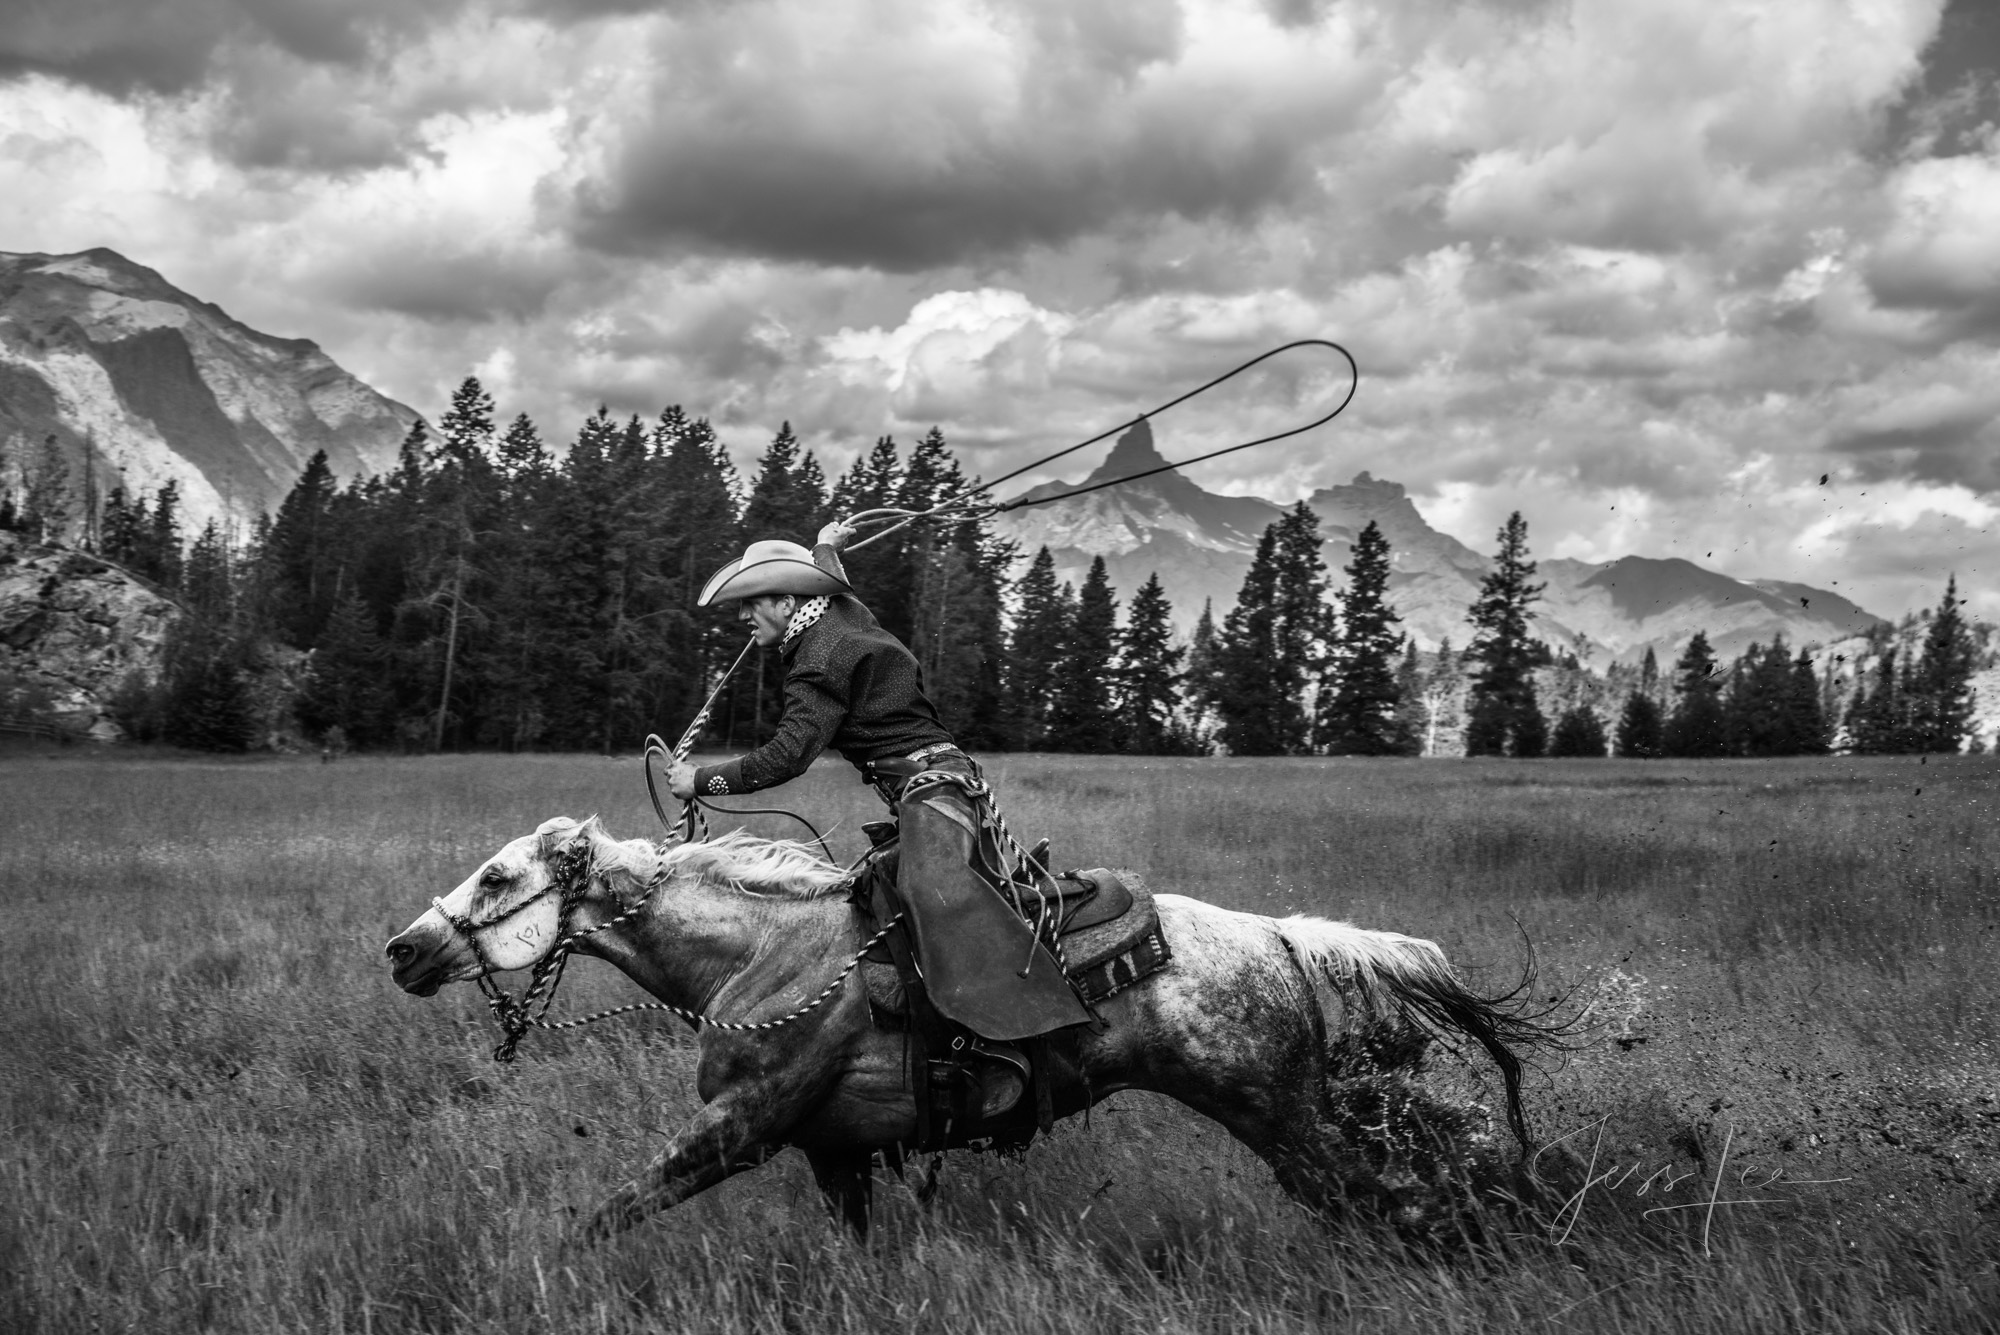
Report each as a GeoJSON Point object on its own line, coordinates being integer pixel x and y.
{"type": "Point", "coordinates": [1076, 666]}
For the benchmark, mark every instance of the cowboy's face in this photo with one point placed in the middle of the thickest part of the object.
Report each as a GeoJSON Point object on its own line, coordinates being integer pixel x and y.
{"type": "Point", "coordinates": [768, 614]}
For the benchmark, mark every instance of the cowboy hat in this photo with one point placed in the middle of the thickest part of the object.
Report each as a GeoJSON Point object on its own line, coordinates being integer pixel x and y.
{"type": "Point", "coordinates": [772, 566]}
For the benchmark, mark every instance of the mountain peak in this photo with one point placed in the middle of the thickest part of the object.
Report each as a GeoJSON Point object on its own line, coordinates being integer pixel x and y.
{"type": "Point", "coordinates": [1134, 453]}
{"type": "Point", "coordinates": [179, 391]}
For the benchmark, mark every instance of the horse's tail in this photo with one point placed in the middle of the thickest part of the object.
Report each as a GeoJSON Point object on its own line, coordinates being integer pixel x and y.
{"type": "Point", "coordinates": [1411, 978]}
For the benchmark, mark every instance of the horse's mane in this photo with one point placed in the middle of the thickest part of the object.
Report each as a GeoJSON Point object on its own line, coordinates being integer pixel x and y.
{"type": "Point", "coordinates": [781, 868]}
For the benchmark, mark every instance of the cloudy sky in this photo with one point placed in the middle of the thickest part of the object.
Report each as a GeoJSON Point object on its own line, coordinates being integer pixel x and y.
{"type": "Point", "coordinates": [1645, 270]}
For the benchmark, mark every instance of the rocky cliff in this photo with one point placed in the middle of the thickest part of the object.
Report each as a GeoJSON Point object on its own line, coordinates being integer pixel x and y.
{"type": "Point", "coordinates": [1201, 544]}
{"type": "Point", "coordinates": [72, 629]}
{"type": "Point", "coordinates": [164, 386]}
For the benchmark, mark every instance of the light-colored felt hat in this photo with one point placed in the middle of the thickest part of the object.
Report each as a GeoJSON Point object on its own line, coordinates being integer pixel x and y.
{"type": "Point", "coordinates": [772, 566]}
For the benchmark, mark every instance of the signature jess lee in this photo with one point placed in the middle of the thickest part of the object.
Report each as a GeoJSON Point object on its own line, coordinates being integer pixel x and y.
{"type": "Point", "coordinates": [1664, 1180]}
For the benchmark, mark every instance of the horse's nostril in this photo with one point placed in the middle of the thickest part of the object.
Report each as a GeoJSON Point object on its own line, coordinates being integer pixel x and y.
{"type": "Point", "coordinates": [400, 952]}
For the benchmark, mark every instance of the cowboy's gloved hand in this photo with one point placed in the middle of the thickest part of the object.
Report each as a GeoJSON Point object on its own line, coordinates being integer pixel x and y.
{"type": "Point", "coordinates": [680, 779]}
{"type": "Point", "coordinates": [836, 535]}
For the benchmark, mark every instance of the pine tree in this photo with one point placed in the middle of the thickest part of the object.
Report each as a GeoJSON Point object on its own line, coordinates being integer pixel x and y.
{"type": "Point", "coordinates": [1257, 710]}
{"type": "Point", "coordinates": [880, 571]}
{"type": "Point", "coordinates": [207, 589]}
{"type": "Point", "coordinates": [1759, 718]}
{"type": "Point", "coordinates": [465, 433]}
{"type": "Point", "coordinates": [206, 704]}
{"type": "Point", "coordinates": [1203, 683]}
{"type": "Point", "coordinates": [1080, 715]}
{"type": "Point", "coordinates": [1149, 694]}
{"type": "Point", "coordinates": [1698, 725]}
{"type": "Point", "coordinates": [959, 639]}
{"type": "Point", "coordinates": [160, 540]}
{"type": "Point", "coordinates": [1941, 698]}
{"type": "Point", "coordinates": [1272, 642]}
{"type": "Point", "coordinates": [454, 517]}
{"type": "Point", "coordinates": [1641, 731]}
{"type": "Point", "coordinates": [303, 554]}
{"type": "Point", "coordinates": [1807, 724]}
{"type": "Point", "coordinates": [1877, 722]}
{"type": "Point", "coordinates": [1358, 696]}
{"type": "Point", "coordinates": [931, 475]}
{"type": "Point", "coordinates": [1579, 733]}
{"type": "Point", "coordinates": [786, 498]}
{"type": "Point", "coordinates": [48, 499]}
{"type": "Point", "coordinates": [343, 687]}
{"type": "Point", "coordinates": [93, 501]}
{"type": "Point", "coordinates": [412, 459]}
{"type": "Point", "coordinates": [1651, 683]}
{"type": "Point", "coordinates": [123, 528]}
{"type": "Point", "coordinates": [521, 452]}
{"type": "Point", "coordinates": [1306, 624]}
{"type": "Point", "coordinates": [697, 519]}
{"type": "Point", "coordinates": [1041, 632]}
{"type": "Point", "coordinates": [1505, 717]}
{"type": "Point", "coordinates": [1256, 698]}
{"type": "Point", "coordinates": [1411, 716]}
{"type": "Point", "coordinates": [785, 502]}
{"type": "Point", "coordinates": [956, 571]}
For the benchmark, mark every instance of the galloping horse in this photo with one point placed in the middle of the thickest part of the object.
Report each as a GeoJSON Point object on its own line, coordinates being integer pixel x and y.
{"type": "Point", "coordinates": [1304, 1038]}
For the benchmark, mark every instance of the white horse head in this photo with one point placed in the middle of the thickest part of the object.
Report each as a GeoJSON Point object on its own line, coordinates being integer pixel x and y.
{"type": "Point", "coordinates": [504, 916]}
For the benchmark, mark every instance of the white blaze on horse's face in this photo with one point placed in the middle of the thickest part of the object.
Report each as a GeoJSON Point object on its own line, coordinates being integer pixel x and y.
{"type": "Point", "coordinates": [514, 920]}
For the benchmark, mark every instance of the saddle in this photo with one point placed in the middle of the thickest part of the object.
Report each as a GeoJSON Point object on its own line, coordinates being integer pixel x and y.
{"type": "Point", "coordinates": [1104, 931]}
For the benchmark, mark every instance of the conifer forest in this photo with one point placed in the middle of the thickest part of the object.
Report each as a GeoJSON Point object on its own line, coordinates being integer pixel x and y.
{"type": "Point", "coordinates": [493, 593]}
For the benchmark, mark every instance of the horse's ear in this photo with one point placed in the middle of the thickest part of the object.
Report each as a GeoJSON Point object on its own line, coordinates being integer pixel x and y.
{"type": "Point", "coordinates": [561, 832]}
{"type": "Point", "coordinates": [556, 832]}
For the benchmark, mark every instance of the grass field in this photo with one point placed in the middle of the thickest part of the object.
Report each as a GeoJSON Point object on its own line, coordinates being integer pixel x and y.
{"type": "Point", "coordinates": [222, 1116]}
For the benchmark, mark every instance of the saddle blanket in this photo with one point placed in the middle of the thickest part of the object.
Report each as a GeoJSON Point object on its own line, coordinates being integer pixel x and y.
{"type": "Point", "coordinates": [1106, 955]}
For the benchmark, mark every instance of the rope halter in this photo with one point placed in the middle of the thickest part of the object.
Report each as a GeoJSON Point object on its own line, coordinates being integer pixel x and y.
{"type": "Point", "coordinates": [570, 877]}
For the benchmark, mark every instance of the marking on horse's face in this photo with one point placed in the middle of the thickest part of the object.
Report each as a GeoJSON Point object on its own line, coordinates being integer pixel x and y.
{"type": "Point", "coordinates": [504, 888]}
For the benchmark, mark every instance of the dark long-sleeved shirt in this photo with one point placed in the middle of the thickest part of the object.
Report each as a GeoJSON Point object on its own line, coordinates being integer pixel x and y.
{"type": "Point", "coordinates": [849, 684]}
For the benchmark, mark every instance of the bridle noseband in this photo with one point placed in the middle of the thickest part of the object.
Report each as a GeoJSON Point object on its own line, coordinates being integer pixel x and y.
{"type": "Point", "coordinates": [570, 876]}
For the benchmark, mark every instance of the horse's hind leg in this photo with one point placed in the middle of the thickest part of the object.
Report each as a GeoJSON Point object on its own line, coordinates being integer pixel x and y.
{"type": "Point", "coordinates": [1373, 1146]}
{"type": "Point", "coordinates": [846, 1179]}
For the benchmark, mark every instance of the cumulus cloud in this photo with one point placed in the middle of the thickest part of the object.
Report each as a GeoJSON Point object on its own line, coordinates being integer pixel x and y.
{"type": "Point", "coordinates": [170, 46]}
{"type": "Point", "coordinates": [906, 135]}
{"type": "Point", "coordinates": [1643, 270]}
{"type": "Point", "coordinates": [1941, 252]}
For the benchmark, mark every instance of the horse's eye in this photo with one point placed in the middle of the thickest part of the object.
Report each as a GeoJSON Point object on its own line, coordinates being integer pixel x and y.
{"type": "Point", "coordinates": [493, 877]}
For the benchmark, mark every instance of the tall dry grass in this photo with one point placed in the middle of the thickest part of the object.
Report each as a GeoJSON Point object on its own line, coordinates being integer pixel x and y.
{"type": "Point", "coordinates": [222, 1116]}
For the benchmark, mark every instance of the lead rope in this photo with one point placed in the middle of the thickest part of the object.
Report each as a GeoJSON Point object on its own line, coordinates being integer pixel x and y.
{"type": "Point", "coordinates": [701, 1021]}
{"type": "Point", "coordinates": [518, 1015]}
{"type": "Point", "coordinates": [691, 814]}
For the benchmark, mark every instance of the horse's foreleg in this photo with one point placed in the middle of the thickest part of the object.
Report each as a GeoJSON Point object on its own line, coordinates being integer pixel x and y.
{"type": "Point", "coordinates": [846, 1178]}
{"type": "Point", "coordinates": [718, 1142]}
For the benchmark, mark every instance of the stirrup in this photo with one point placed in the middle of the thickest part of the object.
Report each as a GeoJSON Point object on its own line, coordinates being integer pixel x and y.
{"type": "Point", "coordinates": [1003, 1074]}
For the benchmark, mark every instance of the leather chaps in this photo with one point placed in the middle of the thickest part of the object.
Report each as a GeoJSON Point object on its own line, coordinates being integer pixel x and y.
{"type": "Point", "coordinates": [971, 945]}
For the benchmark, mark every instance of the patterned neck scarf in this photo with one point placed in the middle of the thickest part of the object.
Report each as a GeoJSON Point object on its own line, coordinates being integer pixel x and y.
{"type": "Point", "coordinates": [809, 611]}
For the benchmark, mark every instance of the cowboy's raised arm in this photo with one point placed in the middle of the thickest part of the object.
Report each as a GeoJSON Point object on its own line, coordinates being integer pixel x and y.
{"type": "Point", "coordinates": [826, 552]}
